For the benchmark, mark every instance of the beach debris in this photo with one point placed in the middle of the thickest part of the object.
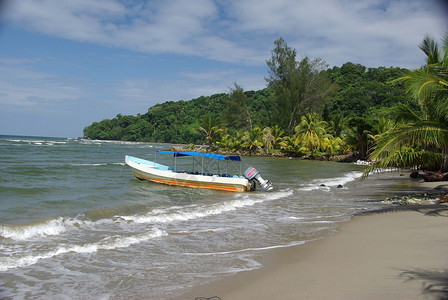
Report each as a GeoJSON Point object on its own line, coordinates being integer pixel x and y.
{"type": "Point", "coordinates": [415, 174]}
{"type": "Point", "coordinates": [362, 162]}
{"type": "Point", "coordinates": [415, 199]}
{"type": "Point", "coordinates": [443, 198]}
{"type": "Point", "coordinates": [430, 176]}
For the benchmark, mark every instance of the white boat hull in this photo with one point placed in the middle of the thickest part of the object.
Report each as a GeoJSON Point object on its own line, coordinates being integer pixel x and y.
{"type": "Point", "coordinates": [147, 170]}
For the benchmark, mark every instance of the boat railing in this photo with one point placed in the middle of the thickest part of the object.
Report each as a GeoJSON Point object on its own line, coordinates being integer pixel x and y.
{"type": "Point", "coordinates": [206, 174]}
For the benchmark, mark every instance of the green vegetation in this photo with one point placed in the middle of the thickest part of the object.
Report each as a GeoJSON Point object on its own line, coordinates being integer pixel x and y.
{"type": "Point", "coordinates": [179, 122]}
{"type": "Point", "coordinates": [299, 87]}
{"type": "Point", "coordinates": [311, 131]}
{"type": "Point", "coordinates": [306, 109]}
{"type": "Point", "coordinates": [419, 137]}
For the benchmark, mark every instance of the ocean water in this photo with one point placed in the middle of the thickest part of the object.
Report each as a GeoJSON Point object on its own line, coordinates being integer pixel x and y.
{"type": "Point", "coordinates": [76, 224]}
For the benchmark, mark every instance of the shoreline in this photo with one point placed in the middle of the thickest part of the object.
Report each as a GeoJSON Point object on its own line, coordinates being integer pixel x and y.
{"type": "Point", "coordinates": [376, 255]}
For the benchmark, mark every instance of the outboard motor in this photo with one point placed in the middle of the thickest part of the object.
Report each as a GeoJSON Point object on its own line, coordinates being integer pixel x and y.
{"type": "Point", "coordinates": [253, 176]}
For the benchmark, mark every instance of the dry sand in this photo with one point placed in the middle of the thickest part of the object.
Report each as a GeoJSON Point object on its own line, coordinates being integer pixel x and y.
{"type": "Point", "coordinates": [366, 259]}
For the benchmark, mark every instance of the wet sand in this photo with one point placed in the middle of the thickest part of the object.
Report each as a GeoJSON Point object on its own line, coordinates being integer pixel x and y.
{"type": "Point", "coordinates": [401, 254]}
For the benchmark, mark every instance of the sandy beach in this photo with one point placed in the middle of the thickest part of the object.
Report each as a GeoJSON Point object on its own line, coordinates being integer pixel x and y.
{"type": "Point", "coordinates": [400, 254]}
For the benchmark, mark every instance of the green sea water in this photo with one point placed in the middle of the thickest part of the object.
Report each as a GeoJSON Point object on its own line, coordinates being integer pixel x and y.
{"type": "Point", "coordinates": [76, 224]}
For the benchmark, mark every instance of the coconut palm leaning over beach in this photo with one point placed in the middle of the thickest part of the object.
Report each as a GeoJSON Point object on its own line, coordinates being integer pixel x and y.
{"type": "Point", "coordinates": [419, 140]}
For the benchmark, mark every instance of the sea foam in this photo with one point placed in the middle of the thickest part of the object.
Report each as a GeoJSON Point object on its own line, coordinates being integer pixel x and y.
{"type": "Point", "coordinates": [295, 243]}
{"type": "Point", "coordinates": [196, 212]}
{"type": "Point", "coordinates": [10, 262]}
{"type": "Point", "coordinates": [51, 227]}
{"type": "Point", "coordinates": [327, 183]}
{"type": "Point", "coordinates": [28, 231]}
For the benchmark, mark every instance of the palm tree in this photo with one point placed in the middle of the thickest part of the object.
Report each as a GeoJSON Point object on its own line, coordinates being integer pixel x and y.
{"type": "Point", "coordinates": [289, 145]}
{"type": "Point", "coordinates": [311, 130]}
{"type": "Point", "coordinates": [277, 134]}
{"type": "Point", "coordinates": [253, 139]}
{"type": "Point", "coordinates": [384, 124]}
{"type": "Point", "coordinates": [422, 141]}
{"type": "Point", "coordinates": [232, 141]}
{"type": "Point", "coordinates": [268, 139]}
{"type": "Point", "coordinates": [225, 142]}
{"type": "Point", "coordinates": [429, 84]}
{"type": "Point", "coordinates": [209, 127]}
{"type": "Point", "coordinates": [337, 125]}
{"type": "Point", "coordinates": [238, 139]}
{"type": "Point", "coordinates": [331, 143]}
{"type": "Point", "coordinates": [358, 132]}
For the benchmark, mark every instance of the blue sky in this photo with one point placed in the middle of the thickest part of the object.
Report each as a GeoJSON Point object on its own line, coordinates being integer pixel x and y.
{"type": "Point", "coordinates": [65, 64]}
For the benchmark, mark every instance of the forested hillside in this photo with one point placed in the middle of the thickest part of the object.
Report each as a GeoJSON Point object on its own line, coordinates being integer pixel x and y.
{"type": "Point", "coordinates": [175, 122]}
{"type": "Point", "coordinates": [364, 91]}
{"type": "Point", "coordinates": [356, 91]}
{"type": "Point", "coordinates": [394, 116]}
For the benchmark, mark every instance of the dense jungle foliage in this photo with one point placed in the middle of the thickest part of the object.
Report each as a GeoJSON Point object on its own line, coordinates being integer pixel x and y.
{"type": "Point", "coordinates": [395, 117]}
{"type": "Point", "coordinates": [176, 122]}
{"type": "Point", "coordinates": [360, 91]}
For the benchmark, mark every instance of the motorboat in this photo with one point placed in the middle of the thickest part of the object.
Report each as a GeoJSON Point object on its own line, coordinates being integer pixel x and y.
{"type": "Point", "coordinates": [198, 176]}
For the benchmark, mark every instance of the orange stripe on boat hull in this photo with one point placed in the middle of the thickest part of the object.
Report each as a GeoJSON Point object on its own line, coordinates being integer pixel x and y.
{"type": "Point", "coordinates": [191, 184]}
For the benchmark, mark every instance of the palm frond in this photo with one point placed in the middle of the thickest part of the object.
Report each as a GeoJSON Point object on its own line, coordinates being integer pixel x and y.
{"type": "Point", "coordinates": [423, 142]}
{"type": "Point", "coordinates": [401, 113]}
{"type": "Point", "coordinates": [445, 49]}
{"type": "Point", "coordinates": [424, 134]}
{"type": "Point", "coordinates": [407, 158]}
{"type": "Point", "coordinates": [431, 49]}
{"type": "Point", "coordinates": [430, 87]}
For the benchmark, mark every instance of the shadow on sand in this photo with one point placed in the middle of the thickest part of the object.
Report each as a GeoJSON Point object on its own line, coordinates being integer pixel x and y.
{"type": "Point", "coordinates": [433, 210]}
{"type": "Point", "coordinates": [427, 210]}
{"type": "Point", "coordinates": [435, 282]}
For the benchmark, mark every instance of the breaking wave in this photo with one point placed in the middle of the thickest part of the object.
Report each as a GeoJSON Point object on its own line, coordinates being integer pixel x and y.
{"type": "Point", "coordinates": [28, 231]}
{"type": "Point", "coordinates": [62, 225]}
{"type": "Point", "coordinates": [196, 212]}
{"type": "Point", "coordinates": [51, 227]}
{"type": "Point", "coordinates": [327, 183]}
{"type": "Point", "coordinates": [9, 262]}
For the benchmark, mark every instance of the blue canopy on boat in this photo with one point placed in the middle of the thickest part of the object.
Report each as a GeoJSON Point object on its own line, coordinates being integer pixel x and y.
{"type": "Point", "coordinates": [208, 155]}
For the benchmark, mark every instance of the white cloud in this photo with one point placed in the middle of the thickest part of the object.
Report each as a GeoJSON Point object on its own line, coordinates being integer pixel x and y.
{"type": "Point", "coordinates": [371, 32]}
{"type": "Point", "coordinates": [374, 31]}
{"type": "Point", "coordinates": [173, 26]}
{"type": "Point", "coordinates": [79, 20]}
